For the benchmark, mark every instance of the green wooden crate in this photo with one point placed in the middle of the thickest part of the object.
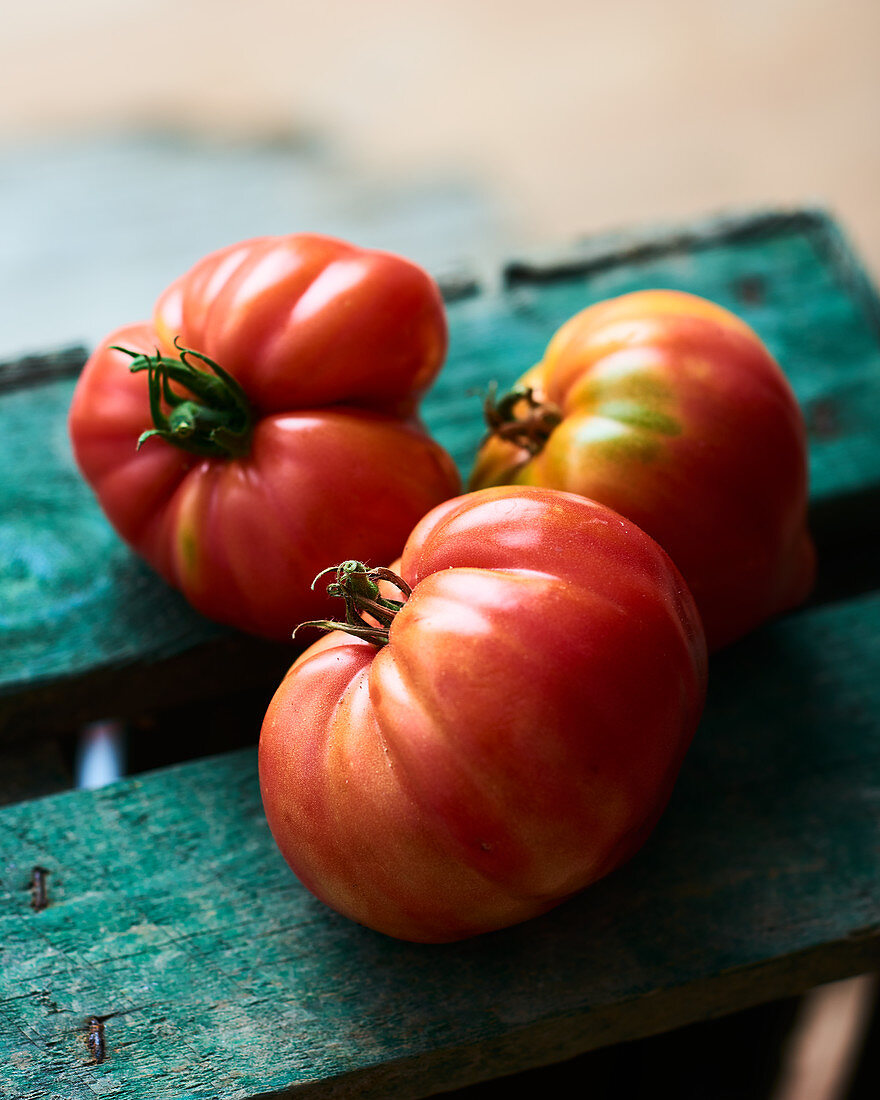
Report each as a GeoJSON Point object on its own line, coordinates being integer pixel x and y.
{"type": "Point", "coordinates": [173, 918]}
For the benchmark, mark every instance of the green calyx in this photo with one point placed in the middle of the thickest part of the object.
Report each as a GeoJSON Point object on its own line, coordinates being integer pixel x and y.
{"type": "Point", "coordinates": [213, 420]}
{"type": "Point", "coordinates": [358, 586]}
{"type": "Point", "coordinates": [520, 418]}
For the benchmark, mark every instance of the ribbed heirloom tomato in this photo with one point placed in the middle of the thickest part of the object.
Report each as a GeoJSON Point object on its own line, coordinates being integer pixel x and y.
{"type": "Point", "coordinates": [492, 729]}
{"type": "Point", "coordinates": [669, 409]}
{"type": "Point", "coordinates": [265, 420]}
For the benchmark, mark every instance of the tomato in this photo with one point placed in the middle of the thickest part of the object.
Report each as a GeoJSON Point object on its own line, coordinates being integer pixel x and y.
{"type": "Point", "coordinates": [670, 410]}
{"type": "Point", "coordinates": [504, 727]}
{"type": "Point", "coordinates": [265, 420]}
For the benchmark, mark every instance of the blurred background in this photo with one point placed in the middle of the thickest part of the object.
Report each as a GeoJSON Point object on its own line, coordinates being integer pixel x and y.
{"type": "Point", "coordinates": [135, 135]}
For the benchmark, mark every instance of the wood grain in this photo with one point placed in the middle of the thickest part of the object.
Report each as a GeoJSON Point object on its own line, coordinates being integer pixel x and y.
{"type": "Point", "coordinates": [175, 927]}
{"type": "Point", "coordinates": [88, 631]}
{"type": "Point", "coordinates": [174, 919]}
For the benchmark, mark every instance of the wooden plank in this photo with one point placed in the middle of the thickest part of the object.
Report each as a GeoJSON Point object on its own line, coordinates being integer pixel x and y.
{"type": "Point", "coordinates": [735, 1057]}
{"type": "Point", "coordinates": [89, 631]}
{"type": "Point", "coordinates": [790, 277]}
{"type": "Point", "coordinates": [98, 224]}
{"type": "Point", "coordinates": [172, 915]}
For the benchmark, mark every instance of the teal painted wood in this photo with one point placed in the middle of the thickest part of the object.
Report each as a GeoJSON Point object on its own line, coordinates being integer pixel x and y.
{"type": "Point", "coordinates": [72, 594]}
{"type": "Point", "coordinates": [792, 281]}
{"type": "Point", "coordinates": [172, 915]}
{"type": "Point", "coordinates": [87, 629]}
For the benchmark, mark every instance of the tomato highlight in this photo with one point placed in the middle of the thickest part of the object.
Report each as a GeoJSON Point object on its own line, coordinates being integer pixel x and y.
{"type": "Point", "coordinates": [266, 420]}
{"type": "Point", "coordinates": [492, 726]}
{"type": "Point", "coordinates": [670, 410]}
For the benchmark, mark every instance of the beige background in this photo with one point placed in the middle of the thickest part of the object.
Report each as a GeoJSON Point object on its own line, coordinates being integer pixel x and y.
{"type": "Point", "coordinates": [564, 116]}
{"type": "Point", "coordinates": [573, 116]}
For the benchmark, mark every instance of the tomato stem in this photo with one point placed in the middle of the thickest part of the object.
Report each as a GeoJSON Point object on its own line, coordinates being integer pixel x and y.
{"type": "Point", "coordinates": [215, 421]}
{"type": "Point", "coordinates": [520, 418]}
{"type": "Point", "coordinates": [368, 614]}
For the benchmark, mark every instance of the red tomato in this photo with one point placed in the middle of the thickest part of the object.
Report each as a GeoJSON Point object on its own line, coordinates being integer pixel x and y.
{"type": "Point", "coordinates": [510, 737]}
{"type": "Point", "coordinates": [297, 440]}
{"type": "Point", "coordinates": [670, 410]}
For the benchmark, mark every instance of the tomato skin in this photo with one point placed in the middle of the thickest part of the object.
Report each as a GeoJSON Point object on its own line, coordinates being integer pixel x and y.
{"type": "Point", "coordinates": [333, 346]}
{"type": "Point", "coordinates": [515, 740]}
{"type": "Point", "coordinates": [675, 415]}
{"type": "Point", "coordinates": [361, 327]}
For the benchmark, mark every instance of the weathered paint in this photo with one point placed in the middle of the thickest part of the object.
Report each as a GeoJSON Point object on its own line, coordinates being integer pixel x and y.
{"type": "Point", "coordinates": [173, 922]}
{"type": "Point", "coordinates": [76, 603]}
{"type": "Point", "coordinates": [173, 918]}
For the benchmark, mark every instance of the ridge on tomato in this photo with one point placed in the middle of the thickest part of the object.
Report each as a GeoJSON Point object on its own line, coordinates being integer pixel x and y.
{"type": "Point", "coordinates": [670, 410]}
{"type": "Point", "coordinates": [504, 726]}
{"type": "Point", "coordinates": [265, 419]}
